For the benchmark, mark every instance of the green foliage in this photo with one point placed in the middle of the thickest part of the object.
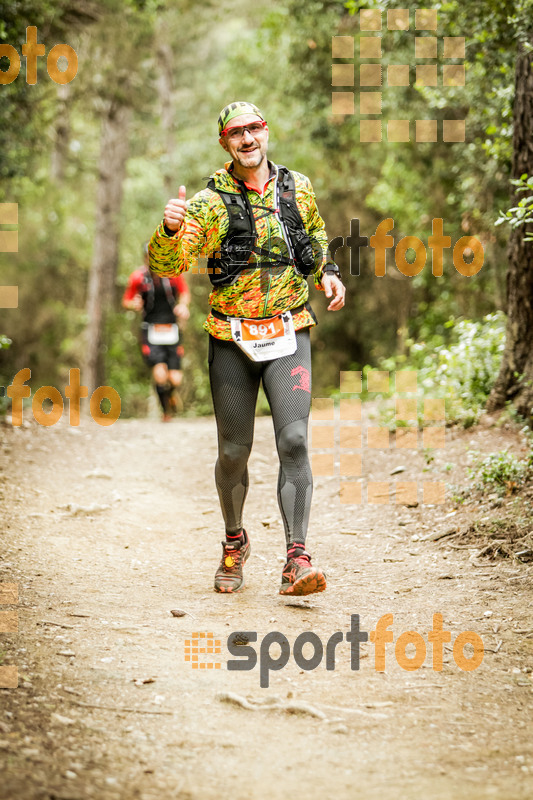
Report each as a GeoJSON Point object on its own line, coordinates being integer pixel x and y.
{"type": "Point", "coordinates": [522, 214]}
{"type": "Point", "coordinates": [465, 184]}
{"type": "Point", "coordinates": [5, 342]}
{"type": "Point", "coordinates": [26, 109]}
{"type": "Point", "coordinates": [501, 471]}
{"type": "Point", "coordinates": [527, 433]}
{"type": "Point", "coordinates": [126, 371]}
{"type": "Point", "coordinates": [462, 369]}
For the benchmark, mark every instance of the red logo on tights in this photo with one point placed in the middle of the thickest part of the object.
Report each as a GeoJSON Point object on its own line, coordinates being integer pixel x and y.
{"type": "Point", "coordinates": [303, 378]}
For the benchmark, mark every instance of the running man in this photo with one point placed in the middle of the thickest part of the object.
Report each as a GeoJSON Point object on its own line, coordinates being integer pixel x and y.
{"type": "Point", "coordinates": [164, 302]}
{"type": "Point", "coordinates": [259, 225]}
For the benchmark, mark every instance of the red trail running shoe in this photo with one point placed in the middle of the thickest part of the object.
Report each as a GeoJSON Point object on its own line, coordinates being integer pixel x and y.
{"type": "Point", "coordinates": [300, 577]}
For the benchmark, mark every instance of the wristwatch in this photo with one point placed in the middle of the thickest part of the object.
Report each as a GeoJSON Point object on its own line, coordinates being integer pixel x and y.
{"type": "Point", "coordinates": [332, 269]}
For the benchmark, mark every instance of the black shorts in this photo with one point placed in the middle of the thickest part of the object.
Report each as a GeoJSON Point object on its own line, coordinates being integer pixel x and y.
{"type": "Point", "coordinates": [169, 354]}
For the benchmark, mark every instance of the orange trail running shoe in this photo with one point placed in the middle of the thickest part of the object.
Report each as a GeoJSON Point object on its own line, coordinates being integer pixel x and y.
{"type": "Point", "coordinates": [229, 577]}
{"type": "Point", "coordinates": [300, 577]}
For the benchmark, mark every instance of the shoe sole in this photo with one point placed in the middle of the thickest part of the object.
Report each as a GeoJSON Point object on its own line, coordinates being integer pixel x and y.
{"type": "Point", "coordinates": [222, 590]}
{"type": "Point", "coordinates": [314, 581]}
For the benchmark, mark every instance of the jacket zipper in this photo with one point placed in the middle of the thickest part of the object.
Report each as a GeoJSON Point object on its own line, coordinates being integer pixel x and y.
{"type": "Point", "coordinates": [262, 196]}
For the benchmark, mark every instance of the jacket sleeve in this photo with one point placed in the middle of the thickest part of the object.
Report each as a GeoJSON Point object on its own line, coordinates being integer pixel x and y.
{"type": "Point", "coordinates": [180, 284]}
{"type": "Point", "coordinates": [200, 234]}
{"type": "Point", "coordinates": [316, 229]}
{"type": "Point", "coordinates": [134, 286]}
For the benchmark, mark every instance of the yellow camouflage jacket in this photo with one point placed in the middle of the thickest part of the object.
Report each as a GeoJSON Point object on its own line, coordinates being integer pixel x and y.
{"type": "Point", "coordinates": [256, 292]}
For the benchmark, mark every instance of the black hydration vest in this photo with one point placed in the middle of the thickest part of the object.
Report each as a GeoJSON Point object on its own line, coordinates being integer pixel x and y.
{"type": "Point", "coordinates": [240, 241]}
{"type": "Point", "coordinates": [148, 291]}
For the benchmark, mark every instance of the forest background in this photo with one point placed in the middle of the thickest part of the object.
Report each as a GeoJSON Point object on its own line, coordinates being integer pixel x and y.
{"type": "Point", "coordinates": [92, 163]}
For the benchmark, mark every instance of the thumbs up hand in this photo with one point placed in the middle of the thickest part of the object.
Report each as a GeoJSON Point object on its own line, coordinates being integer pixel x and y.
{"type": "Point", "coordinates": [175, 210]}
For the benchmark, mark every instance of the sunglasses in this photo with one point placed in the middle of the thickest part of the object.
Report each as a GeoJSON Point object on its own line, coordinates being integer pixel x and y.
{"type": "Point", "coordinates": [237, 132]}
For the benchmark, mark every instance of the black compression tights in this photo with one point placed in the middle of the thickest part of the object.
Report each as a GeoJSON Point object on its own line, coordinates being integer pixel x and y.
{"type": "Point", "coordinates": [235, 382]}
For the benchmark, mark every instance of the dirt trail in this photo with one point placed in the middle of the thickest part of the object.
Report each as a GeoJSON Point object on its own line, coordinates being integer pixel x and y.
{"type": "Point", "coordinates": [95, 592]}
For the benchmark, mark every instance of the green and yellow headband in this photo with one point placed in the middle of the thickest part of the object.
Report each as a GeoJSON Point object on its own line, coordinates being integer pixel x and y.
{"type": "Point", "coordinates": [235, 110]}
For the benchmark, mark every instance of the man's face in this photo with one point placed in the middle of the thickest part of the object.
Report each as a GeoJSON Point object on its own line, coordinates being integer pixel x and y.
{"type": "Point", "coordinates": [247, 151]}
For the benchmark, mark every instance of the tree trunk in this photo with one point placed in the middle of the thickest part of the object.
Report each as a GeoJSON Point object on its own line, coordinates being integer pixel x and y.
{"type": "Point", "coordinates": [164, 83]}
{"type": "Point", "coordinates": [515, 379]}
{"type": "Point", "coordinates": [111, 174]}
{"type": "Point", "coordinates": [61, 135]}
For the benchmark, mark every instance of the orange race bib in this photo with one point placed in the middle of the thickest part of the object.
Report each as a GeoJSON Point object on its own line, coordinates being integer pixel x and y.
{"type": "Point", "coordinates": [265, 339]}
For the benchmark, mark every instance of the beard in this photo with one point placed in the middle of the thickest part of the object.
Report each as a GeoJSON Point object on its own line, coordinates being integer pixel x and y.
{"type": "Point", "coordinates": [251, 159]}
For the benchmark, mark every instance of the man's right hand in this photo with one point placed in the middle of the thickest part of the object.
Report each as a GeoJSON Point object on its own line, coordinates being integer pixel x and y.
{"type": "Point", "coordinates": [175, 211]}
{"type": "Point", "coordinates": [137, 303]}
